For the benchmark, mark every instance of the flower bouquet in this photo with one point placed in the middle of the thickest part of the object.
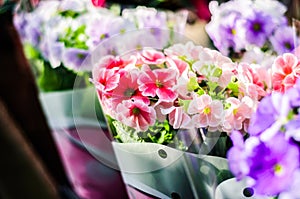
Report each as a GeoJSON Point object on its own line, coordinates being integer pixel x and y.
{"type": "Point", "coordinates": [56, 43]}
{"type": "Point", "coordinates": [170, 111]}
{"type": "Point", "coordinates": [57, 37]}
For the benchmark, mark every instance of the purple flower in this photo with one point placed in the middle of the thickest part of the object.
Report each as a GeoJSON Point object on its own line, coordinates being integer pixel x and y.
{"type": "Point", "coordinates": [293, 192]}
{"type": "Point", "coordinates": [273, 163]}
{"type": "Point", "coordinates": [33, 35]}
{"type": "Point", "coordinates": [283, 40]}
{"type": "Point", "coordinates": [109, 26]}
{"type": "Point", "coordinates": [147, 17]}
{"type": "Point", "coordinates": [293, 128]}
{"type": "Point", "coordinates": [294, 94]}
{"type": "Point", "coordinates": [258, 27]}
{"type": "Point", "coordinates": [269, 112]}
{"type": "Point", "coordinates": [55, 51]}
{"type": "Point", "coordinates": [228, 34]}
{"type": "Point", "coordinates": [237, 155]}
{"type": "Point", "coordinates": [269, 165]}
{"type": "Point", "coordinates": [20, 22]}
{"type": "Point", "coordinates": [73, 58]}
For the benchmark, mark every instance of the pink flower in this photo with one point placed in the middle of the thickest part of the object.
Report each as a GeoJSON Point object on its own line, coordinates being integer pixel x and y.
{"type": "Point", "coordinates": [215, 67]}
{"type": "Point", "coordinates": [151, 56]}
{"type": "Point", "coordinates": [188, 51]}
{"type": "Point", "coordinates": [251, 83]}
{"type": "Point", "coordinates": [181, 87]}
{"type": "Point", "coordinates": [110, 62]}
{"type": "Point", "coordinates": [107, 105]}
{"type": "Point", "coordinates": [177, 117]}
{"type": "Point", "coordinates": [285, 71]}
{"type": "Point", "coordinates": [158, 82]}
{"type": "Point", "coordinates": [105, 80]}
{"type": "Point", "coordinates": [237, 113]}
{"type": "Point", "coordinates": [178, 64]}
{"type": "Point", "coordinates": [128, 89]}
{"type": "Point", "coordinates": [159, 107]}
{"type": "Point", "coordinates": [98, 3]}
{"type": "Point", "coordinates": [136, 114]}
{"type": "Point", "coordinates": [206, 112]}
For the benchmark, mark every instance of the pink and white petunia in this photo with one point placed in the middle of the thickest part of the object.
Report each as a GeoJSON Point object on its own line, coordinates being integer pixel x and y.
{"type": "Point", "coordinates": [285, 71]}
{"type": "Point", "coordinates": [250, 83]}
{"type": "Point", "coordinates": [177, 64]}
{"type": "Point", "coordinates": [237, 113]}
{"type": "Point", "coordinates": [110, 62]}
{"type": "Point", "coordinates": [151, 56]}
{"type": "Point", "coordinates": [136, 114]}
{"type": "Point", "coordinates": [178, 118]}
{"type": "Point", "coordinates": [189, 51]}
{"type": "Point", "coordinates": [158, 82]}
{"type": "Point", "coordinates": [106, 80]}
{"type": "Point", "coordinates": [128, 88]}
{"type": "Point", "coordinates": [206, 112]}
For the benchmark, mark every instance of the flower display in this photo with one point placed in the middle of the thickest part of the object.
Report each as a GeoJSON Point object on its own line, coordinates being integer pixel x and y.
{"type": "Point", "coordinates": [238, 27]}
{"type": "Point", "coordinates": [59, 35]}
{"type": "Point", "coordinates": [183, 86]}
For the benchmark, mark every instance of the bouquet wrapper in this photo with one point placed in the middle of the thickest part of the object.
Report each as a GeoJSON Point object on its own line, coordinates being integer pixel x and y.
{"type": "Point", "coordinates": [70, 108]}
{"type": "Point", "coordinates": [76, 131]}
{"type": "Point", "coordinates": [163, 172]}
{"type": "Point", "coordinates": [234, 189]}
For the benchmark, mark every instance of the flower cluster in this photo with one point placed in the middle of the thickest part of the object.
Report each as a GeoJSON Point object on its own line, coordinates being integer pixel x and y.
{"type": "Point", "coordinates": [244, 25]}
{"type": "Point", "coordinates": [270, 158]}
{"type": "Point", "coordinates": [62, 33]}
{"type": "Point", "coordinates": [185, 86]}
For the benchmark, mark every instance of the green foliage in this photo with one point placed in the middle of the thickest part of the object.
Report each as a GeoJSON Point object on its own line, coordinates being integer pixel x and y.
{"type": "Point", "coordinates": [75, 38]}
{"type": "Point", "coordinates": [234, 87]}
{"type": "Point", "coordinates": [70, 13]}
{"type": "Point", "coordinates": [60, 78]}
{"type": "Point", "coordinates": [184, 103]}
{"type": "Point", "coordinates": [160, 133]}
{"type": "Point", "coordinates": [192, 84]}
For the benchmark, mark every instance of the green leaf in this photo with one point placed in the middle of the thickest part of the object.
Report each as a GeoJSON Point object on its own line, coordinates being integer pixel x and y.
{"type": "Point", "coordinates": [234, 87]}
{"type": "Point", "coordinates": [217, 72]}
{"type": "Point", "coordinates": [200, 91]}
{"type": "Point", "coordinates": [185, 104]}
{"type": "Point", "coordinates": [75, 38]}
{"type": "Point", "coordinates": [192, 84]}
{"type": "Point", "coordinates": [60, 78]}
{"type": "Point", "coordinates": [212, 85]}
{"type": "Point", "coordinates": [30, 51]}
{"type": "Point", "coordinates": [69, 13]}
{"type": "Point", "coordinates": [125, 133]}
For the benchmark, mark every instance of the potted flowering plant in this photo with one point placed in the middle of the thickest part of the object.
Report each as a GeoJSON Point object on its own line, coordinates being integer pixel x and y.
{"type": "Point", "coordinates": [184, 99]}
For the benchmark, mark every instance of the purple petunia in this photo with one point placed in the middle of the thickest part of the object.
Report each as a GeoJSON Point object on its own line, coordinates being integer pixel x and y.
{"type": "Point", "coordinates": [269, 165]}
{"type": "Point", "coordinates": [259, 26]}
{"type": "Point", "coordinates": [271, 109]}
{"type": "Point", "coordinates": [73, 58]}
{"type": "Point", "coordinates": [283, 40]}
{"type": "Point", "coordinates": [238, 26]}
